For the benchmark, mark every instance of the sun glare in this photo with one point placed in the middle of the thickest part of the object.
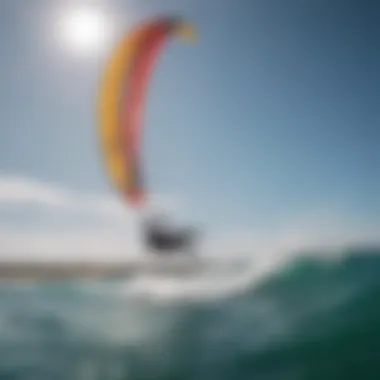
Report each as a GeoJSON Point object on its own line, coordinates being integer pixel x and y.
{"type": "Point", "coordinates": [85, 29]}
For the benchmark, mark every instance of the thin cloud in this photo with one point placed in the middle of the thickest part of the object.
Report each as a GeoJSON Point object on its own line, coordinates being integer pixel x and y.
{"type": "Point", "coordinates": [323, 229]}
{"type": "Point", "coordinates": [98, 245]}
{"type": "Point", "coordinates": [70, 228]}
{"type": "Point", "coordinates": [21, 191]}
{"type": "Point", "coordinates": [14, 189]}
{"type": "Point", "coordinates": [17, 190]}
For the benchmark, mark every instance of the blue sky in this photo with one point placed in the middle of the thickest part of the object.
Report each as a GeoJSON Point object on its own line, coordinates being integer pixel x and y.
{"type": "Point", "coordinates": [272, 114]}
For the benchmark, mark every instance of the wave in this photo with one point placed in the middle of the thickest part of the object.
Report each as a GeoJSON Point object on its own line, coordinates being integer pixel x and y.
{"type": "Point", "coordinates": [306, 317]}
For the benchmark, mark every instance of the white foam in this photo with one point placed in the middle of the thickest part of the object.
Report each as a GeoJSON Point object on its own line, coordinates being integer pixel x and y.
{"type": "Point", "coordinates": [231, 274]}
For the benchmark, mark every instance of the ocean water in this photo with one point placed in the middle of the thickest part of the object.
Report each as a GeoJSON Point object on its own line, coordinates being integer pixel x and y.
{"type": "Point", "coordinates": [306, 318]}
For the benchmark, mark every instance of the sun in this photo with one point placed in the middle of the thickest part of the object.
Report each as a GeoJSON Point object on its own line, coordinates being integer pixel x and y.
{"type": "Point", "coordinates": [85, 29]}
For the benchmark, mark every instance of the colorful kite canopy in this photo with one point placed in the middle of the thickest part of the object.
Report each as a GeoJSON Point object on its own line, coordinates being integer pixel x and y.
{"type": "Point", "coordinates": [122, 96]}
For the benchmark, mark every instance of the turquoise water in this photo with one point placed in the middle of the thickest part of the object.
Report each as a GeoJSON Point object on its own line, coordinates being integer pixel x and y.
{"type": "Point", "coordinates": [308, 319]}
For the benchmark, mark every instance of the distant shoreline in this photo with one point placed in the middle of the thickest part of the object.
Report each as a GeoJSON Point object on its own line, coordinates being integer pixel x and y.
{"type": "Point", "coordinates": [13, 271]}
{"type": "Point", "coordinates": [56, 271]}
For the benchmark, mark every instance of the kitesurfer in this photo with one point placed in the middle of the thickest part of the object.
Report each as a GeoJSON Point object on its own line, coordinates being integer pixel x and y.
{"type": "Point", "coordinates": [162, 238]}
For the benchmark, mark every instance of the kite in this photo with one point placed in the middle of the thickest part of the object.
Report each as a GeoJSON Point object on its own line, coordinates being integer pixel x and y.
{"type": "Point", "coordinates": [121, 101]}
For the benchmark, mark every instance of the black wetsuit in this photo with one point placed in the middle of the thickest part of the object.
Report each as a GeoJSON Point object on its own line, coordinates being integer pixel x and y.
{"type": "Point", "coordinates": [158, 239]}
